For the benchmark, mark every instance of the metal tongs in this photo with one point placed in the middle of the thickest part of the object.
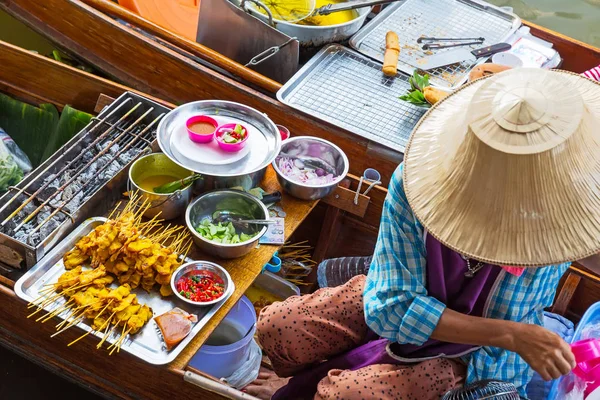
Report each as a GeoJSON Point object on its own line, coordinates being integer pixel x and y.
{"type": "Point", "coordinates": [348, 5]}
{"type": "Point", "coordinates": [430, 45]}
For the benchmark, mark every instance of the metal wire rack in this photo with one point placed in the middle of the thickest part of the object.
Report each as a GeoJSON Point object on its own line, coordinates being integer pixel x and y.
{"type": "Point", "coordinates": [348, 90]}
{"type": "Point", "coordinates": [413, 19]}
{"type": "Point", "coordinates": [486, 389]}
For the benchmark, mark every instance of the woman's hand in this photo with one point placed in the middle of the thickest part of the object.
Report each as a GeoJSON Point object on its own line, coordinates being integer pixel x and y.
{"type": "Point", "coordinates": [544, 351]}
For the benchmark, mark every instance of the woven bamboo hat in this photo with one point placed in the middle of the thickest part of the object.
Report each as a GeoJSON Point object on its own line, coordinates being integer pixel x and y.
{"type": "Point", "coordinates": [506, 170]}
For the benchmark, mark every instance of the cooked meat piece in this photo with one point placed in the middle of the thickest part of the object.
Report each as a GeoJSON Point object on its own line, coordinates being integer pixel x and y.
{"type": "Point", "coordinates": [175, 325]}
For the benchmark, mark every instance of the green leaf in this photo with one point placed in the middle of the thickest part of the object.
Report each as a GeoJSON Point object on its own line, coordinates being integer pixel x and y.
{"type": "Point", "coordinates": [30, 127]}
{"type": "Point", "coordinates": [70, 123]}
{"type": "Point", "coordinates": [39, 131]}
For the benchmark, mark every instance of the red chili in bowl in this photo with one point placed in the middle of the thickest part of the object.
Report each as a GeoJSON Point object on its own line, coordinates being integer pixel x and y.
{"type": "Point", "coordinates": [200, 286]}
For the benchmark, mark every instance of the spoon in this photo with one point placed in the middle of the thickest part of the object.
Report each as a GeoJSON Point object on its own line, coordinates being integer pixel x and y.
{"type": "Point", "coordinates": [226, 217]}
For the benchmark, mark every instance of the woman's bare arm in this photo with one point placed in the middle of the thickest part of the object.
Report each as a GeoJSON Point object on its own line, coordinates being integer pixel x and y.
{"type": "Point", "coordinates": [543, 350]}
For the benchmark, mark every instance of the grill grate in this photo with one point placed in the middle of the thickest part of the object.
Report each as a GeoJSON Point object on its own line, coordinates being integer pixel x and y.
{"type": "Point", "coordinates": [344, 88]}
{"type": "Point", "coordinates": [62, 189]}
{"type": "Point", "coordinates": [435, 18]}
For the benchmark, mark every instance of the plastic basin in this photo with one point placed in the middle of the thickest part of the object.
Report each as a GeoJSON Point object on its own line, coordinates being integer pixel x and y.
{"type": "Point", "coordinates": [221, 361]}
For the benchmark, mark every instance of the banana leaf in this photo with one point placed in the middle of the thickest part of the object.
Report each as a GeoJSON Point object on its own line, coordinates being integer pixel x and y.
{"type": "Point", "coordinates": [39, 131]}
{"type": "Point", "coordinates": [70, 123]}
{"type": "Point", "coordinates": [30, 127]}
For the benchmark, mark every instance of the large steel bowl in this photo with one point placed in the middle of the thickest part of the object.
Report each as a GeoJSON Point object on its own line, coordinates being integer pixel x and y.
{"type": "Point", "coordinates": [225, 200]}
{"type": "Point", "coordinates": [314, 148]}
{"type": "Point", "coordinates": [201, 266]}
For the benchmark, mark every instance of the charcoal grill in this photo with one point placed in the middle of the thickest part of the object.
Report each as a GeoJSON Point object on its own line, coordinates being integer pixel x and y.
{"type": "Point", "coordinates": [84, 178]}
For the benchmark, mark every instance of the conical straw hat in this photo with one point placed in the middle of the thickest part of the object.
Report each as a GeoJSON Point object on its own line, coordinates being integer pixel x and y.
{"type": "Point", "coordinates": [506, 170]}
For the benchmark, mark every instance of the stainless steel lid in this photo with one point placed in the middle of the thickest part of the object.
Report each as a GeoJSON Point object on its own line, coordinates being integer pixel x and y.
{"type": "Point", "coordinates": [264, 140]}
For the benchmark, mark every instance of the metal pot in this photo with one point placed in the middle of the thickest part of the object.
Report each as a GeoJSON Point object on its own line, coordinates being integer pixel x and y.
{"type": "Point", "coordinates": [171, 205]}
{"type": "Point", "coordinates": [315, 36]}
{"type": "Point", "coordinates": [204, 207]}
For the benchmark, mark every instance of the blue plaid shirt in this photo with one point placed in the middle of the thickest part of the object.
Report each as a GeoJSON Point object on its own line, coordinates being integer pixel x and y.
{"type": "Point", "coordinates": [398, 308]}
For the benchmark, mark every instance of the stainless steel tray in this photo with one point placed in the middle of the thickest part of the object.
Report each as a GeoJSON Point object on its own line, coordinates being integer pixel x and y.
{"type": "Point", "coordinates": [147, 344]}
{"type": "Point", "coordinates": [347, 89]}
{"type": "Point", "coordinates": [264, 147]}
{"type": "Point", "coordinates": [411, 19]}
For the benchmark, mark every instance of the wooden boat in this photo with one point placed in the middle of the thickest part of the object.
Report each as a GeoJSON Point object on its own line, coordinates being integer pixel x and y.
{"type": "Point", "coordinates": [336, 227]}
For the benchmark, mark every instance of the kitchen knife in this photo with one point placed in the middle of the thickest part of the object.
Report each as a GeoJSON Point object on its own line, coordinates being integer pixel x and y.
{"type": "Point", "coordinates": [456, 56]}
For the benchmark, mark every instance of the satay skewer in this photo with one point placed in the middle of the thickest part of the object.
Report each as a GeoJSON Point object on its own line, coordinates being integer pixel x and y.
{"type": "Point", "coordinates": [119, 338]}
{"type": "Point", "coordinates": [50, 314]}
{"type": "Point", "coordinates": [107, 335]}
{"type": "Point", "coordinates": [107, 332]}
{"type": "Point", "coordinates": [119, 342]}
{"type": "Point", "coordinates": [74, 314]}
{"type": "Point", "coordinates": [75, 322]}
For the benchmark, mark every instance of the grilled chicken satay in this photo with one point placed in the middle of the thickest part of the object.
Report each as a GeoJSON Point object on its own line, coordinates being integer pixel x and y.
{"type": "Point", "coordinates": [139, 319]}
{"type": "Point", "coordinates": [68, 279]}
{"type": "Point", "coordinates": [124, 303]}
{"type": "Point", "coordinates": [124, 315]}
{"type": "Point", "coordinates": [74, 258]}
{"type": "Point", "coordinates": [87, 277]}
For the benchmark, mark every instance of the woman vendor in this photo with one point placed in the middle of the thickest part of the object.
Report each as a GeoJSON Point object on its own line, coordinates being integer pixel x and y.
{"type": "Point", "coordinates": [500, 176]}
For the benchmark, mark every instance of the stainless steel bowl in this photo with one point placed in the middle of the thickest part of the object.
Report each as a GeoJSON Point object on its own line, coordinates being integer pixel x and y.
{"type": "Point", "coordinates": [225, 200]}
{"type": "Point", "coordinates": [171, 205]}
{"type": "Point", "coordinates": [201, 266]}
{"type": "Point", "coordinates": [312, 147]}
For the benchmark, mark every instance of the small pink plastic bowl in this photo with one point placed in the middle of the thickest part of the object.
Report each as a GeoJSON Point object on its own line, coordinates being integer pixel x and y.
{"type": "Point", "coordinates": [284, 132]}
{"type": "Point", "coordinates": [230, 147]}
{"type": "Point", "coordinates": [198, 137]}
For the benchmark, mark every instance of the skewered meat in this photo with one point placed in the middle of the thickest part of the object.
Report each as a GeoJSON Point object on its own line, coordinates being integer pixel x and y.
{"type": "Point", "coordinates": [131, 253]}
{"type": "Point", "coordinates": [137, 321]}
{"type": "Point", "coordinates": [74, 258]}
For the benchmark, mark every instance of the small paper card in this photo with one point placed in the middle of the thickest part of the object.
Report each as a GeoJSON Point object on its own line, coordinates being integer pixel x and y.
{"type": "Point", "coordinates": [275, 233]}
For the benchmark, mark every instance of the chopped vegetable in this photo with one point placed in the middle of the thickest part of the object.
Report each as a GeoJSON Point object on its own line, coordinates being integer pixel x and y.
{"type": "Point", "coordinates": [297, 171]}
{"type": "Point", "coordinates": [201, 286]}
{"type": "Point", "coordinates": [234, 136]}
{"type": "Point", "coordinates": [220, 233]}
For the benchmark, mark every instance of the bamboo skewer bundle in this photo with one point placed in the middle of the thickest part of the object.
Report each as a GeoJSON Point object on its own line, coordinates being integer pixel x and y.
{"type": "Point", "coordinates": [297, 262]}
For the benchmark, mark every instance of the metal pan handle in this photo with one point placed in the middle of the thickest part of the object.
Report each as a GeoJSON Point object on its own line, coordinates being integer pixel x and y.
{"type": "Point", "coordinates": [259, 4]}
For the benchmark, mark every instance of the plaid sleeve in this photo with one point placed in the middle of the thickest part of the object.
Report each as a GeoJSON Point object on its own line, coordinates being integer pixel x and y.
{"type": "Point", "coordinates": [395, 299]}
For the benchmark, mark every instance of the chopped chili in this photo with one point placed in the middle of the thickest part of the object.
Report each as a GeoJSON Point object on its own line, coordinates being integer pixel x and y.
{"type": "Point", "coordinates": [200, 286]}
